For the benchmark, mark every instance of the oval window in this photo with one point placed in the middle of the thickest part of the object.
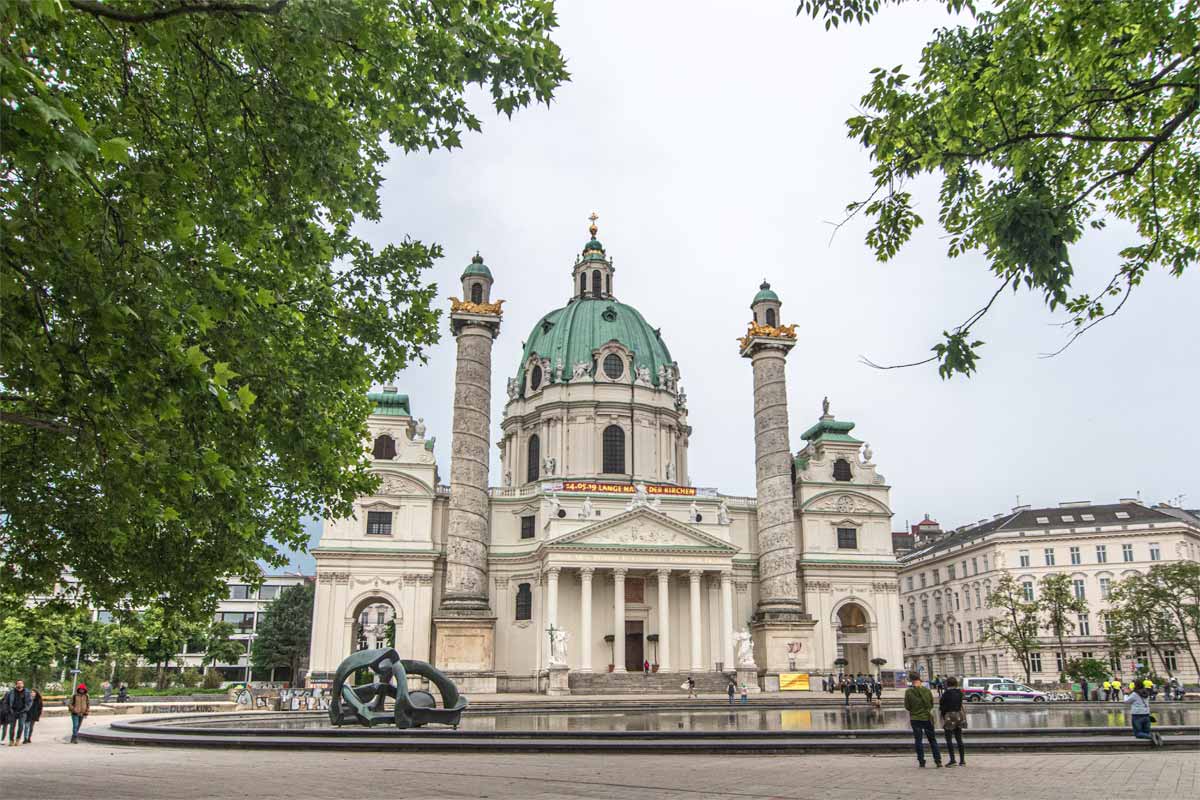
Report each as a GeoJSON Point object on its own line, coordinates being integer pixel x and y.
{"type": "Point", "coordinates": [614, 366]}
{"type": "Point", "coordinates": [535, 377]}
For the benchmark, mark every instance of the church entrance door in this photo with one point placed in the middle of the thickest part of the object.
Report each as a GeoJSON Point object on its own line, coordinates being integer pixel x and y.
{"type": "Point", "coordinates": [634, 654]}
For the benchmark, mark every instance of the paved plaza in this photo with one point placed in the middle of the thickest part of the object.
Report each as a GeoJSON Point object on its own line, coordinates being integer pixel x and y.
{"type": "Point", "coordinates": [50, 768]}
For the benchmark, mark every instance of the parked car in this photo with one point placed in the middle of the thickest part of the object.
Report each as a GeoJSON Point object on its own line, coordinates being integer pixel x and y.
{"type": "Point", "coordinates": [974, 687]}
{"type": "Point", "coordinates": [1009, 692]}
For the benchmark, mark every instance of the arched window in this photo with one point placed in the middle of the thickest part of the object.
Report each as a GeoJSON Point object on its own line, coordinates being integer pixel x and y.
{"type": "Point", "coordinates": [614, 450]}
{"type": "Point", "coordinates": [596, 282]}
{"type": "Point", "coordinates": [476, 292]}
{"type": "Point", "coordinates": [582, 284]}
{"type": "Point", "coordinates": [608, 284]}
{"type": "Point", "coordinates": [535, 459]}
{"type": "Point", "coordinates": [524, 601]}
{"type": "Point", "coordinates": [385, 448]}
{"type": "Point", "coordinates": [771, 317]}
{"type": "Point", "coordinates": [841, 470]}
{"type": "Point", "coordinates": [535, 377]}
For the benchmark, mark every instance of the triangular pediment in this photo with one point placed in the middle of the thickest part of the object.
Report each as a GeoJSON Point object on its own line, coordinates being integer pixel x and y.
{"type": "Point", "coordinates": [641, 529]}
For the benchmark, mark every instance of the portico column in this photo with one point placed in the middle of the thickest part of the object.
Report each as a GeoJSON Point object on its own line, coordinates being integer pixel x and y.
{"type": "Point", "coordinates": [727, 620]}
{"type": "Point", "coordinates": [694, 580]}
{"type": "Point", "coordinates": [664, 620]}
{"type": "Point", "coordinates": [585, 611]}
{"type": "Point", "coordinates": [619, 619]}
{"type": "Point", "coordinates": [552, 597]}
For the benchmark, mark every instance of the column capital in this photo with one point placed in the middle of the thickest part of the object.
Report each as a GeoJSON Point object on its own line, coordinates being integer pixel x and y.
{"type": "Point", "coordinates": [695, 574]}
{"type": "Point", "coordinates": [618, 573]}
{"type": "Point", "coordinates": [587, 572]}
{"type": "Point", "coordinates": [552, 572]}
{"type": "Point", "coordinates": [726, 576]}
{"type": "Point", "coordinates": [664, 573]}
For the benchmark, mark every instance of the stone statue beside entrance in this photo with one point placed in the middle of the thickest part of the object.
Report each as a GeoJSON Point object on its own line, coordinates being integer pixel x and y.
{"type": "Point", "coordinates": [558, 646]}
{"type": "Point", "coordinates": [744, 645]}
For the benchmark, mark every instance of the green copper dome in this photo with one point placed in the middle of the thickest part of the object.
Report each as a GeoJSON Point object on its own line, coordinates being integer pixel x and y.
{"type": "Point", "coordinates": [765, 293]}
{"type": "Point", "coordinates": [572, 333]}
{"type": "Point", "coordinates": [477, 267]}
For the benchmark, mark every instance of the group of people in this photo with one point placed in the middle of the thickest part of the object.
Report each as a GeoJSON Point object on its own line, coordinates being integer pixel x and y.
{"type": "Point", "coordinates": [919, 702]}
{"type": "Point", "coordinates": [866, 685]}
{"type": "Point", "coordinates": [21, 709]}
{"type": "Point", "coordinates": [1172, 689]}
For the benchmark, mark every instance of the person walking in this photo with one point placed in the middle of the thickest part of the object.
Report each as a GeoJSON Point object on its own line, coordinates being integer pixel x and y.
{"type": "Point", "coordinates": [1083, 688]}
{"type": "Point", "coordinates": [5, 717]}
{"type": "Point", "coordinates": [33, 715]}
{"type": "Point", "coordinates": [646, 669]}
{"type": "Point", "coordinates": [918, 701]}
{"type": "Point", "coordinates": [1139, 714]}
{"type": "Point", "coordinates": [690, 683]}
{"type": "Point", "coordinates": [847, 689]}
{"type": "Point", "coordinates": [954, 719]}
{"type": "Point", "coordinates": [19, 699]}
{"type": "Point", "coordinates": [731, 690]}
{"type": "Point", "coordinates": [79, 705]}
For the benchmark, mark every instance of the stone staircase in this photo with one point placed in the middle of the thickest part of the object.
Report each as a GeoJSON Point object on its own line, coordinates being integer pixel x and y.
{"type": "Point", "coordinates": [644, 683]}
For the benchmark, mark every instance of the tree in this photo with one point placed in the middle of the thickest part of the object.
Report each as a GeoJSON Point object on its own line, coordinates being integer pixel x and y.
{"type": "Point", "coordinates": [1174, 589]}
{"type": "Point", "coordinates": [1016, 627]}
{"type": "Point", "coordinates": [190, 325]}
{"type": "Point", "coordinates": [1137, 617]}
{"type": "Point", "coordinates": [1043, 118]}
{"type": "Point", "coordinates": [219, 645]}
{"type": "Point", "coordinates": [33, 640]}
{"type": "Point", "coordinates": [1057, 604]}
{"type": "Point", "coordinates": [284, 630]}
{"type": "Point", "coordinates": [165, 633]}
{"type": "Point", "coordinates": [1087, 669]}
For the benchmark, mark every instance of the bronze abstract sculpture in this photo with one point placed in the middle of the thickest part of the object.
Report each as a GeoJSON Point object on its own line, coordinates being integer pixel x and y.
{"type": "Point", "coordinates": [365, 704]}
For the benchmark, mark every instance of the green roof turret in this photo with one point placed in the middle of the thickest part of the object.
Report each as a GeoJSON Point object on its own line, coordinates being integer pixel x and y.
{"type": "Point", "coordinates": [390, 403]}
{"type": "Point", "coordinates": [764, 293]}
{"type": "Point", "coordinates": [477, 267]}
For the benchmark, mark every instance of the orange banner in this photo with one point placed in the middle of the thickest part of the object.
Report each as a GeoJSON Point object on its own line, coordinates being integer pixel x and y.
{"type": "Point", "coordinates": [625, 488]}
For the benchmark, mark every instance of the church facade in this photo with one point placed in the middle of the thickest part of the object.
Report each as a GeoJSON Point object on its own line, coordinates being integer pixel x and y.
{"type": "Point", "coordinates": [597, 555]}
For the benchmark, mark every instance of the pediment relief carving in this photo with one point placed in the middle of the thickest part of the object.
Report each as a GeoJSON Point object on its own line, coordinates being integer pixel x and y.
{"type": "Point", "coordinates": [846, 503]}
{"type": "Point", "coordinates": [395, 484]}
{"type": "Point", "coordinates": [641, 528]}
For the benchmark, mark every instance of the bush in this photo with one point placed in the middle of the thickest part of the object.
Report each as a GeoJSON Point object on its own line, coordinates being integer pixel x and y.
{"type": "Point", "coordinates": [213, 679]}
{"type": "Point", "coordinates": [190, 678]}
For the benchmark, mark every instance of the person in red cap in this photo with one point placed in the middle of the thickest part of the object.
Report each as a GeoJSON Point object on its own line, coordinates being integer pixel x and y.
{"type": "Point", "coordinates": [79, 705]}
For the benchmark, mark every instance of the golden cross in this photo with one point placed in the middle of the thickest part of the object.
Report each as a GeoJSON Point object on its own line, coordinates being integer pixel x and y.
{"type": "Point", "coordinates": [593, 217]}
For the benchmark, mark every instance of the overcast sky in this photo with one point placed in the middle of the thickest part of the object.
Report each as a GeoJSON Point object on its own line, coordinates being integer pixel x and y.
{"type": "Point", "coordinates": [710, 138]}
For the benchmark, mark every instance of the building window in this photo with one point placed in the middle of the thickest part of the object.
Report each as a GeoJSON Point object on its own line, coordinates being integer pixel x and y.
{"type": "Point", "coordinates": [902, 613]}
{"type": "Point", "coordinates": [1049, 555]}
{"type": "Point", "coordinates": [1155, 553]}
{"type": "Point", "coordinates": [937, 576]}
{"type": "Point", "coordinates": [385, 448]}
{"type": "Point", "coordinates": [1127, 552]}
{"type": "Point", "coordinates": [527, 527]}
{"type": "Point", "coordinates": [771, 317]}
{"type": "Point", "coordinates": [974, 566]}
{"type": "Point", "coordinates": [582, 284]}
{"type": "Point", "coordinates": [978, 600]}
{"type": "Point", "coordinates": [1085, 626]}
{"type": "Point", "coordinates": [1105, 588]}
{"type": "Point", "coordinates": [380, 616]}
{"type": "Point", "coordinates": [956, 605]}
{"type": "Point", "coordinates": [614, 366]}
{"type": "Point", "coordinates": [269, 592]}
{"type": "Point", "coordinates": [924, 608]}
{"type": "Point", "coordinates": [924, 583]}
{"type": "Point", "coordinates": [964, 566]}
{"type": "Point", "coordinates": [970, 632]}
{"type": "Point", "coordinates": [524, 602]}
{"type": "Point", "coordinates": [1075, 557]}
{"type": "Point", "coordinates": [1028, 587]}
{"type": "Point", "coordinates": [104, 616]}
{"type": "Point", "coordinates": [1035, 662]}
{"type": "Point", "coordinates": [1101, 554]}
{"type": "Point", "coordinates": [596, 283]}
{"type": "Point", "coordinates": [533, 468]}
{"type": "Point", "coordinates": [240, 592]}
{"type": "Point", "coordinates": [1059, 666]}
{"type": "Point", "coordinates": [242, 621]}
{"type": "Point", "coordinates": [614, 450]}
{"type": "Point", "coordinates": [476, 292]}
{"type": "Point", "coordinates": [847, 538]}
{"type": "Point", "coordinates": [841, 470]}
{"type": "Point", "coordinates": [950, 572]}
{"type": "Point", "coordinates": [908, 582]}
{"type": "Point", "coordinates": [379, 523]}
{"type": "Point", "coordinates": [966, 598]}
{"type": "Point", "coordinates": [608, 283]}
{"type": "Point", "coordinates": [1080, 592]}
{"type": "Point", "coordinates": [1142, 658]}
{"type": "Point", "coordinates": [958, 625]}
{"type": "Point", "coordinates": [1169, 661]}
{"type": "Point", "coordinates": [535, 377]}
{"type": "Point", "coordinates": [1023, 558]}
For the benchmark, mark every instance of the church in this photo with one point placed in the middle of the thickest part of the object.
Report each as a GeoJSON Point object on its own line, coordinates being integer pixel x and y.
{"type": "Point", "coordinates": [597, 558]}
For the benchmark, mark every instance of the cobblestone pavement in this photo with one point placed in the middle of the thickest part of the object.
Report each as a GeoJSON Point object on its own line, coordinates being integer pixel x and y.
{"type": "Point", "coordinates": [50, 768]}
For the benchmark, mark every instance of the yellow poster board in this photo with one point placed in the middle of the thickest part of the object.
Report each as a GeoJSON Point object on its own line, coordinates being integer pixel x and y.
{"type": "Point", "coordinates": [793, 682]}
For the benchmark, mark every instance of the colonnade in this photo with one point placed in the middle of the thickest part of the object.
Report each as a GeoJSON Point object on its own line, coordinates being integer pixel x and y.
{"type": "Point", "coordinates": [665, 634]}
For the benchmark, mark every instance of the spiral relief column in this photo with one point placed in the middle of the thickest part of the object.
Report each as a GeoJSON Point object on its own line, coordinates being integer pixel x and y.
{"type": "Point", "coordinates": [464, 625]}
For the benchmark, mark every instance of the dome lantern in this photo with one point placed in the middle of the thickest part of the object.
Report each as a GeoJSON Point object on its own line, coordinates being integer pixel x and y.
{"type": "Point", "coordinates": [766, 305]}
{"type": "Point", "coordinates": [477, 281]}
{"type": "Point", "coordinates": [592, 275]}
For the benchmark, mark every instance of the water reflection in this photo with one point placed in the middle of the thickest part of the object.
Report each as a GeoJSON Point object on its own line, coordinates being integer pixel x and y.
{"type": "Point", "coordinates": [721, 718]}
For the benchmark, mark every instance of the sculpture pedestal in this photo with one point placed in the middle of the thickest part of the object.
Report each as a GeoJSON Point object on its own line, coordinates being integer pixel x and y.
{"type": "Point", "coordinates": [772, 639]}
{"type": "Point", "coordinates": [465, 650]}
{"type": "Point", "coordinates": [749, 677]}
{"type": "Point", "coordinates": [558, 684]}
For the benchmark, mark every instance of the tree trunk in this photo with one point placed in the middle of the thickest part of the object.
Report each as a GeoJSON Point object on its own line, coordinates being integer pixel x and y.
{"type": "Point", "coordinates": [1187, 642]}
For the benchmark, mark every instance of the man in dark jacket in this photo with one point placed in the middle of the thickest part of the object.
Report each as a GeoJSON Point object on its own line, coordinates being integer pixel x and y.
{"type": "Point", "coordinates": [19, 700]}
{"type": "Point", "coordinates": [34, 714]}
{"type": "Point", "coordinates": [918, 701]}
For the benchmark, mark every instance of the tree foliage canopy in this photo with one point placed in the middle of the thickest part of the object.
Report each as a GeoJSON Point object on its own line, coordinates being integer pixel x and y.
{"type": "Point", "coordinates": [285, 629]}
{"type": "Point", "coordinates": [1016, 626]}
{"type": "Point", "coordinates": [1042, 118]}
{"type": "Point", "coordinates": [190, 325]}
